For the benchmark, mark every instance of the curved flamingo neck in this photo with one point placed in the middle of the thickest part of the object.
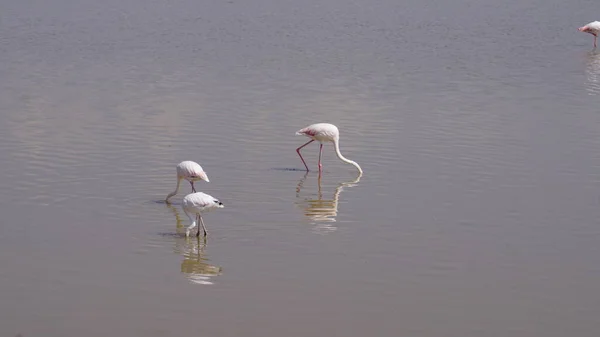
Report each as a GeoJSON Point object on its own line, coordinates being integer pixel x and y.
{"type": "Point", "coordinates": [176, 190]}
{"type": "Point", "coordinates": [336, 143]}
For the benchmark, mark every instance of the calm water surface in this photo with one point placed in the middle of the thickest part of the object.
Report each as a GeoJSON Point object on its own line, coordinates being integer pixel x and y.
{"type": "Point", "coordinates": [477, 124]}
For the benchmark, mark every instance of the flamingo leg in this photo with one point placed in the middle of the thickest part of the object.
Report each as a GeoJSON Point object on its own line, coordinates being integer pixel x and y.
{"type": "Point", "coordinates": [595, 38]}
{"type": "Point", "coordinates": [320, 151]}
{"type": "Point", "coordinates": [203, 227]}
{"type": "Point", "coordinates": [197, 220]}
{"type": "Point", "coordinates": [193, 189]}
{"type": "Point", "coordinates": [298, 151]}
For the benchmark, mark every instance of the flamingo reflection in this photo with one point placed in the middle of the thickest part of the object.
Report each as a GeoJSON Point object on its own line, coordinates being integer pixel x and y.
{"type": "Point", "coordinates": [195, 264]}
{"type": "Point", "coordinates": [592, 71]}
{"type": "Point", "coordinates": [322, 212]}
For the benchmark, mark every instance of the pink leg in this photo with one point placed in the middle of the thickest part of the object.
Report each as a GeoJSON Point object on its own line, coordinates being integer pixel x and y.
{"type": "Point", "coordinates": [298, 150]}
{"type": "Point", "coordinates": [193, 189]}
{"type": "Point", "coordinates": [320, 151]}
{"type": "Point", "coordinates": [595, 38]}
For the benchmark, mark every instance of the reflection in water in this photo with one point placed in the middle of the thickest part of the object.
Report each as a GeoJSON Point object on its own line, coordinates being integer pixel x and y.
{"type": "Point", "coordinates": [195, 264]}
{"type": "Point", "coordinates": [592, 71]}
{"type": "Point", "coordinates": [322, 212]}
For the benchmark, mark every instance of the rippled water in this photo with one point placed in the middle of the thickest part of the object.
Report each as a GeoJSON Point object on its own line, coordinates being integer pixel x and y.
{"type": "Point", "coordinates": [476, 124]}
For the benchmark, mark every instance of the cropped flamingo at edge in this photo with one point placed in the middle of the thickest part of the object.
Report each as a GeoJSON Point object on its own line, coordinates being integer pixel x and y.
{"type": "Point", "coordinates": [324, 132]}
{"type": "Point", "coordinates": [190, 171]}
{"type": "Point", "coordinates": [591, 28]}
{"type": "Point", "coordinates": [195, 203]}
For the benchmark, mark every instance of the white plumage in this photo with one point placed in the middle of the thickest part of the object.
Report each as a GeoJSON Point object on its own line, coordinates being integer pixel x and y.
{"type": "Point", "coordinates": [190, 171]}
{"type": "Point", "coordinates": [324, 132]}
{"type": "Point", "coordinates": [591, 28]}
{"type": "Point", "coordinates": [195, 204]}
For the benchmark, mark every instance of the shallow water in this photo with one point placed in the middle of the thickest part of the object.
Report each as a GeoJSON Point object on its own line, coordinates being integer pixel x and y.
{"type": "Point", "coordinates": [476, 124]}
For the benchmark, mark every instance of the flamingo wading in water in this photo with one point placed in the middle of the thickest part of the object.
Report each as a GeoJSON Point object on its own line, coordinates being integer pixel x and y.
{"type": "Point", "coordinates": [195, 203]}
{"type": "Point", "coordinates": [591, 28]}
{"type": "Point", "coordinates": [324, 132]}
{"type": "Point", "coordinates": [190, 171]}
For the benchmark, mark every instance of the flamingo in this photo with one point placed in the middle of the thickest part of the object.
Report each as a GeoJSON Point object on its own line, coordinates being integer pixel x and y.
{"type": "Point", "coordinates": [195, 203]}
{"type": "Point", "coordinates": [324, 132]}
{"type": "Point", "coordinates": [190, 171]}
{"type": "Point", "coordinates": [591, 28]}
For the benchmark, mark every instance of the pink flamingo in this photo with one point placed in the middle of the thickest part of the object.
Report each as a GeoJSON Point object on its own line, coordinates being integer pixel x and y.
{"type": "Point", "coordinates": [591, 28]}
{"type": "Point", "coordinates": [190, 171]}
{"type": "Point", "coordinates": [324, 132]}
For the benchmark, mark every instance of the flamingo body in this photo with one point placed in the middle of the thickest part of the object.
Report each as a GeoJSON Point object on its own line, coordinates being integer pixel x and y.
{"type": "Point", "coordinates": [591, 28]}
{"type": "Point", "coordinates": [190, 171]}
{"type": "Point", "coordinates": [324, 132]}
{"type": "Point", "coordinates": [197, 203]}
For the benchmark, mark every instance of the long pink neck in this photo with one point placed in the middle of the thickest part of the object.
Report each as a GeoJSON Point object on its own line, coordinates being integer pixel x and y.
{"type": "Point", "coordinates": [336, 144]}
{"type": "Point", "coordinates": [176, 190]}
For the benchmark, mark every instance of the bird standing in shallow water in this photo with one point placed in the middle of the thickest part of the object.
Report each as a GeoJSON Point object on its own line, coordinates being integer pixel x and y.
{"type": "Point", "coordinates": [196, 203]}
{"type": "Point", "coordinates": [324, 132]}
{"type": "Point", "coordinates": [190, 171]}
{"type": "Point", "coordinates": [591, 28]}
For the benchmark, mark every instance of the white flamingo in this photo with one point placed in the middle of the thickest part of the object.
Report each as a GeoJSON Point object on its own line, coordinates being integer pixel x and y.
{"type": "Point", "coordinates": [196, 203]}
{"type": "Point", "coordinates": [190, 171]}
{"type": "Point", "coordinates": [324, 132]}
{"type": "Point", "coordinates": [591, 28]}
